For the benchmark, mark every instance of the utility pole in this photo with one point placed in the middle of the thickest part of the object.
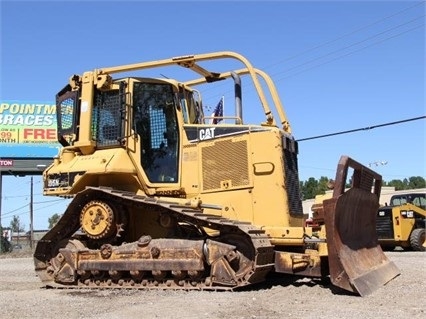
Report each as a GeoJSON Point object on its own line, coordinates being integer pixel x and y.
{"type": "Point", "coordinates": [31, 215]}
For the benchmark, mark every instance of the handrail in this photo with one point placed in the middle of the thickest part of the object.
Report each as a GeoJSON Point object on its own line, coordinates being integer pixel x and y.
{"type": "Point", "coordinates": [190, 62]}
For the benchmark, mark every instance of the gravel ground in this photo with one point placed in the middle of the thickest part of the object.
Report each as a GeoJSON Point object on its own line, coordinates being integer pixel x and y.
{"type": "Point", "coordinates": [23, 296]}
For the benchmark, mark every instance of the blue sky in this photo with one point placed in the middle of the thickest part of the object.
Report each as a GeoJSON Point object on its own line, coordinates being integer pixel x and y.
{"type": "Point", "coordinates": [337, 65]}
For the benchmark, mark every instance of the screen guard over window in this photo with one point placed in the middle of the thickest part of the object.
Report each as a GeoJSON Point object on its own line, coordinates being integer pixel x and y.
{"type": "Point", "coordinates": [107, 118]}
{"type": "Point", "coordinates": [156, 124]}
{"type": "Point", "coordinates": [67, 113]}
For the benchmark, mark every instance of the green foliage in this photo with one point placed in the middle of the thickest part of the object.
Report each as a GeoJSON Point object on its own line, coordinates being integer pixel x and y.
{"type": "Point", "coordinates": [313, 187]}
{"type": "Point", "coordinates": [413, 182]}
{"type": "Point", "coordinates": [416, 182]}
{"type": "Point", "coordinates": [53, 220]}
{"type": "Point", "coordinates": [309, 188]}
{"type": "Point", "coordinates": [323, 185]}
{"type": "Point", "coordinates": [5, 245]}
{"type": "Point", "coordinates": [16, 225]}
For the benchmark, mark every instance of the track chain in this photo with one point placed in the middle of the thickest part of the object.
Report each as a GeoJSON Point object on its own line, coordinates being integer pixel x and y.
{"type": "Point", "coordinates": [69, 224]}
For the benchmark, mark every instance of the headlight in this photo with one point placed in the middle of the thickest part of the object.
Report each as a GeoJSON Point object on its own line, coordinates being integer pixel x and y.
{"type": "Point", "coordinates": [407, 213]}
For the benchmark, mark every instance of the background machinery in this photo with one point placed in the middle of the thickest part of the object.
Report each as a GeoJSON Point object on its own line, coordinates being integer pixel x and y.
{"type": "Point", "coordinates": [402, 222]}
{"type": "Point", "coordinates": [163, 198]}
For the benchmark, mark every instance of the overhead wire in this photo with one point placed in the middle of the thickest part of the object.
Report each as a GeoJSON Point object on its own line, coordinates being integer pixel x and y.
{"type": "Point", "coordinates": [357, 43]}
{"type": "Point", "coordinates": [6, 197]}
{"type": "Point", "coordinates": [346, 34]}
{"type": "Point", "coordinates": [55, 201]}
{"type": "Point", "coordinates": [346, 47]}
{"type": "Point", "coordinates": [350, 53]}
{"type": "Point", "coordinates": [10, 215]}
{"type": "Point", "coordinates": [14, 210]}
{"type": "Point", "coordinates": [362, 128]}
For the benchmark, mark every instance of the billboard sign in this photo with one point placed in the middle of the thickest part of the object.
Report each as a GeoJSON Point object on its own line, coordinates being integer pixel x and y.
{"type": "Point", "coordinates": [28, 130]}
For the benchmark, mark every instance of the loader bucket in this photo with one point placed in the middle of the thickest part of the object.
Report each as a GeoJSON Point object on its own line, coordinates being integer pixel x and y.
{"type": "Point", "coordinates": [356, 260]}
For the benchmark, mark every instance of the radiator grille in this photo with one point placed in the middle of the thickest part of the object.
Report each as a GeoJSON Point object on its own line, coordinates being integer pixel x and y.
{"type": "Point", "coordinates": [292, 184]}
{"type": "Point", "coordinates": [225, 162]}
{"type": "Point", "coordinates": [384, 225]}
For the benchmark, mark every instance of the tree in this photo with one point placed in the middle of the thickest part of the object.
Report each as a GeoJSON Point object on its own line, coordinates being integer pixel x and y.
{"type": "Point", "coordinates": [15, 225]}
{"type": "Point", "coordinates": [53, 220]}
{"type": "Point", "coordinates": [5, 245]}
{"type": "Point", "coordinates": [313, 187]}
{"type": "Point", "coordinates": [397, 183]}
{"type": "Point", "coordinates": [416, 182]}
{"type": "Point", "coordinates": [323, 185]}
{"type": "Point", "coordinates": [309, 188]}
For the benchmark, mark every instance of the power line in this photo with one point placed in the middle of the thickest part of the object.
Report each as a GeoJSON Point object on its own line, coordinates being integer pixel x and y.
{"type": "Point", "coordinates": [346, 54]}
{"type": "Point", "coordinates": [350, 53]}
{"type": "Point", "coordinates": [346, 34]}
{"type": "Point", "coordinates": [357, 43]}
{"type": "Point", "coordinates": [16, 209]}
{"type": "Point", "coordinates": [50, 201]}
{"type": "Point", "coordinates": [362, 129]}
{"type": "Point", "coordinates": [54, 201]}
{"type": "Point", "coordinates": [6, 197]}
{"type": "Point", "coordinates": [50, 205]}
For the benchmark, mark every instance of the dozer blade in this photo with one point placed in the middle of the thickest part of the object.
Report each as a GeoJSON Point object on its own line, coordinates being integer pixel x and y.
{"type": "Point", "coordinates": [356, 260]}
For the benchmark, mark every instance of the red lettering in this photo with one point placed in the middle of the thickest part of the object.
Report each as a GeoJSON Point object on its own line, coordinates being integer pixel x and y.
{"type": "Point", "coordinates": [28, 132]}
{"type": "Point", "coordinates": [51, 134]}
{"type": "Point", "coordinates": [40, 133]}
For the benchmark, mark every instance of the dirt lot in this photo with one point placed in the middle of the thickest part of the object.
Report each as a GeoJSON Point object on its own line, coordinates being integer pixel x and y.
{"type": "Point", "coordinates": [23, 296]}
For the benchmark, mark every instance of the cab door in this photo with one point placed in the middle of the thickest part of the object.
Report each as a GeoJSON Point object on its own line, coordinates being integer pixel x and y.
{"type": "Point", "coordinates": [156, 124]}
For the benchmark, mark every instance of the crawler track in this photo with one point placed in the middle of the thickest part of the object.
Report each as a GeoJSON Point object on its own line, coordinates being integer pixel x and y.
{"type": "Point", "coordinates": [59, 252]}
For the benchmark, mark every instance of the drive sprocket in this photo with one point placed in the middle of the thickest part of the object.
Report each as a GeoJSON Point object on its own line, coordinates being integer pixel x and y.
{"type": "Point", "coordinates": [97, 220]}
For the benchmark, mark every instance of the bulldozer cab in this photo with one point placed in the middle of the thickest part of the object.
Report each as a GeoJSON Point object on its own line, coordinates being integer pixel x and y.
{"type": "Point", "coordinates": [158, 109]}
{"type": "Point", "coordinates": [417, 199]}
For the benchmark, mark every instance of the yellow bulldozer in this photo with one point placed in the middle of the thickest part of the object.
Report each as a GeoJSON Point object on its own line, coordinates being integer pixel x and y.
{"type": "Point", "coordinates": [167, 197]}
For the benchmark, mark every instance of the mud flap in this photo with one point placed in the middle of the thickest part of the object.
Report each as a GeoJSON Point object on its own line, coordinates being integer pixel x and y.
{"type": "Point", "coordinates": [356, 260]}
